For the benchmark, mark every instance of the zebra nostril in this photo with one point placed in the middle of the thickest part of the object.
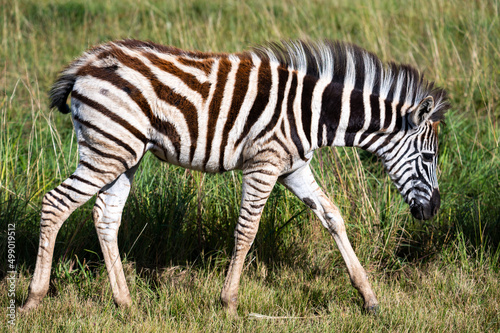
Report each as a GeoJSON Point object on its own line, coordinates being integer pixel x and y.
{"type": "Point", "coordinates": [435, 201]}
{"type": "Point", "coordinates": [417, 212]}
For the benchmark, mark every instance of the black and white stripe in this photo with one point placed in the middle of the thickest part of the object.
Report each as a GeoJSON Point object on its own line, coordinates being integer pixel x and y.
{"type": "Point", "coordinates": [264, 111]}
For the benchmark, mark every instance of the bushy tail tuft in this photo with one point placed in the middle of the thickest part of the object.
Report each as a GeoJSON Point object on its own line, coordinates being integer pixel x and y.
{"type": "Point", "coordinates": [64, 84]}
{"type": "Point", "coordinates": [60, 91]}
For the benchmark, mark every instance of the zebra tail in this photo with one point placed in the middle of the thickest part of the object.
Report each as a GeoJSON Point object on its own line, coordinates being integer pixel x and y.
{"type": "Point", "coordinates": [61, 89]}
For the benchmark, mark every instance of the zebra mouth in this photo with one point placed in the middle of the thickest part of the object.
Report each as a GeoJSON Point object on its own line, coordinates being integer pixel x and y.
{"type": "Point", "coordinates": [426, 211]}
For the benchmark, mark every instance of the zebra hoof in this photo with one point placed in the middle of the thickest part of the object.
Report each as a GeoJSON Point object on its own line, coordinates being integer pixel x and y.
{"type": "Point", "coordinates": [123, 302]}
{"type": "Point", "coordinates": [30, 304]}
{"type": "Point", "coordinates": [231, 313]}
{"type": "Point", "coordinates": [373, 310]}
{"type": "Point", "coordinates": [230, 309]}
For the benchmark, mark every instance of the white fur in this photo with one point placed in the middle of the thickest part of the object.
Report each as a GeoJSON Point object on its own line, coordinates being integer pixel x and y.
{"type": "Point", "coordinates": [232, 153]}
{"type": "Point", "coordinates": [370, 68]}
{"type": "Point", "coordinates": [349, 81]}
{"type": "Point", "coordinates": [271, 105]}
{"type": "Point", "coordinates": [213, 162]}
{"type": "Point", "coordinates": [199, 154]}
{"type": "Point", "coordinates": [316, 106]}
{"type": "Point", "coordinates": [297, 111]}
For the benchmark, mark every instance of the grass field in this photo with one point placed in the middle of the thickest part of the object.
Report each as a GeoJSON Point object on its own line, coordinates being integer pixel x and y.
{"type": "Point", "coordinates": [177, 230]}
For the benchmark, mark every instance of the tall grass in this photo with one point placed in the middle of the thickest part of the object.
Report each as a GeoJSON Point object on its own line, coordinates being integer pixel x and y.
{"type": "Point", "coordinates": [177, 228]}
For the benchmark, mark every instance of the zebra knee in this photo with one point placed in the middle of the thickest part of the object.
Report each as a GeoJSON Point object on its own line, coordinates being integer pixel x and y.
{"type": "Point", "coordinates": [107, 232]}
{"type": "Point", "coordinates": [106, 227]}
{"type": "Point", "coordinates": [334, 222]}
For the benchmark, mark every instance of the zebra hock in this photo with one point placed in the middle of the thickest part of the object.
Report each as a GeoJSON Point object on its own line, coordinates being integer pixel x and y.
{"type": "Point", "coordinates": [264, 111]}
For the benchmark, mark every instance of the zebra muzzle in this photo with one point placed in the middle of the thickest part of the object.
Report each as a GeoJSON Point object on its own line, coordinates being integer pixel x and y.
{"type": "Point", "coordinates": [426, 211]}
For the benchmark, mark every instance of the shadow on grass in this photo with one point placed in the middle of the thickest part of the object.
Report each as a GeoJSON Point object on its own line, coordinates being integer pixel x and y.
{"type": "Point", "coordinates": [163, 226]}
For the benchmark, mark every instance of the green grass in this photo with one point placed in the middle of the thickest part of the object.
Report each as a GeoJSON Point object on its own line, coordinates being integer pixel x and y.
{"type": "Point", "coordinates": [177, 230]}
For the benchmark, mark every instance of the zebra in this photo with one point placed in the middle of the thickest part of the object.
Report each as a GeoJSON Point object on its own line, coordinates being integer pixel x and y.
{"type": "Point", "coordinates": [263, 111]}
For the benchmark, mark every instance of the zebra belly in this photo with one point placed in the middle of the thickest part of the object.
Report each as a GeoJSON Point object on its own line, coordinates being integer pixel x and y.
{"type": "Point", "coordinates": [167, 152]}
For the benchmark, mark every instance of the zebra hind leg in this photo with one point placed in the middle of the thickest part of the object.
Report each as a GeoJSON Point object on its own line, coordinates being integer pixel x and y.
{"type": "Point", "coordinates": [107, 215]}
{"type": "Point", "coordinates": [258, 183]}
{"type": "Point", "coordinates": [304, 186]}
{"type": "Point", "coordinates": [57, 205]}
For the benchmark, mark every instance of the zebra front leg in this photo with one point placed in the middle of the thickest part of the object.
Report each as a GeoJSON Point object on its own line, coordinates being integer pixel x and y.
{"type": "Point", "coordinates": [107, 214]}
{"type": "Point", "coordinates": [257, 184]}
{"type": "Point", "coordinates": [57, 205]}
{"type": "Point", "coordinates": [303, 185]}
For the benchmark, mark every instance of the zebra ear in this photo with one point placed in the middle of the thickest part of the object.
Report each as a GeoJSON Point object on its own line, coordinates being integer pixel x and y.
{"type": "Point", "coordinates": [423, 111]}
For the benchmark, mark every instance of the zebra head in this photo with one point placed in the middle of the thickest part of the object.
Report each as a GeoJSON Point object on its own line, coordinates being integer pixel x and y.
{"type": "Point", "coordinates": [411, 160]}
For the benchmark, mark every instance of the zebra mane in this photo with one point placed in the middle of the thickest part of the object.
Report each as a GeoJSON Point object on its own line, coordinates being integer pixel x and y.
{"type": "Point", "coordinates": [334, 60]}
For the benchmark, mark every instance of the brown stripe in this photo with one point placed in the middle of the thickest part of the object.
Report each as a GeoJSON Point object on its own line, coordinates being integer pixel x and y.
{"type": "Point", "coordinates": [59, 200]}
{"type": "Point", "coordinates": [93, 168]}
{"type": "Point", "coordinates": [248, 211]}
{"type": "Point", "coordinates": [203, 65]}
{"type": "Point", "coordinates": [276, 153]}
{"type": "Point", "coordinates": [243, 226]}
{"type": "Point", "coordinates": [263, 162]}
{"type": "Point", "coordinates": [264, 84]}
{"type": "Point", "coordinates": [166, 94]}
{"type": "Point", "coordinates": [239, 94]}
{"type": "Point", "coordinates": [291, 117]}
{"type": "Point", "coordinates": [109, 75]}
{"type": "Point", "coordinates": [51, 203]}
{"type": "Point", "coordinates": [71, 188]}
{"type": "Point", "coordinates": [282, 79]}
{"type": "Point", "coordinates": [106, 135]}
{"type": "Point", "coordinates": [141, 45]}
{"type": "Point", "coordinates": [80, 179]}
{"type": "Point", "coordinates": [257, 189]}
{"type": "Point", "coordinates": [257, 206]}
{"type": "Point", "coordinates": [96, 205]}
{"type": "Point", "coordinates": [244, 218]}
{"type": "Point", "coordinates": [65, 194]}
{"type": "Point", "coordinates": [265, 150]}
{"type": "Point", "coordinates": [169, 130]}
{"type": "Point", "coordinates": [108, 113]}
{"type": "Point", "coordinates": [214, 109]}
{"type": "Point", "coordinates": [263, 171]}
{"type": "Point", "coordinates": [107, 155]}
{"type": "Point", "coordinates": [281, 143]}
{"type": "Point", "coordinates": [189, 79]}
{"type": "Point", "coordinates": [260, 181]}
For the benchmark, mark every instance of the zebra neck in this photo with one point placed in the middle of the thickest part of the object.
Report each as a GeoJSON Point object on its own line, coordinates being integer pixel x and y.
{"type": "Point", "coordinates": [351, 118]}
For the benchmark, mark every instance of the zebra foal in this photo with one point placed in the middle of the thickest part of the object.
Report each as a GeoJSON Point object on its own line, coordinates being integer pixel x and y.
{"type": "Point", "coordinates": [264, 111]}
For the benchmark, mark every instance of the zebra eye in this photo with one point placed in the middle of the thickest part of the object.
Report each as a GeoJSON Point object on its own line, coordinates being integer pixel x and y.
{"type": "Point", "coordinates": [427, 157]}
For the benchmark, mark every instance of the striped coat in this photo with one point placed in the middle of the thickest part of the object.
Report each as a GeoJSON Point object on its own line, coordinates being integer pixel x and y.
{"type": "Point", "coordinates": [264, 111]}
